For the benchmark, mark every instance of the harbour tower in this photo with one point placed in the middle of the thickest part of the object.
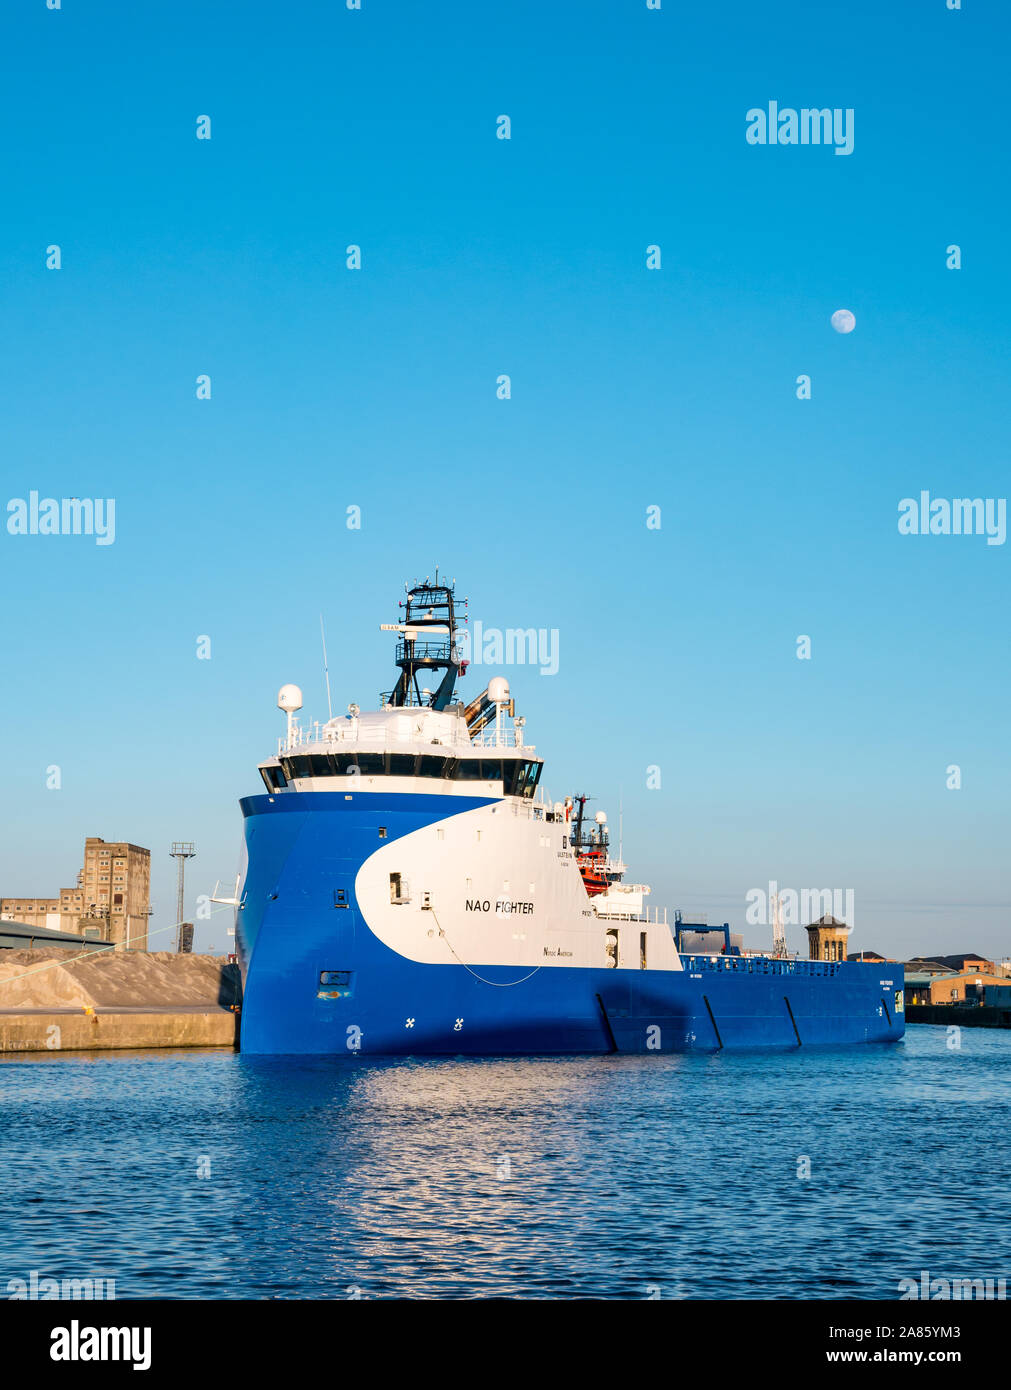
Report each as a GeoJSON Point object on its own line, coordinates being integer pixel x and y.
{"type": "Point", "coordinates": [827, 939]}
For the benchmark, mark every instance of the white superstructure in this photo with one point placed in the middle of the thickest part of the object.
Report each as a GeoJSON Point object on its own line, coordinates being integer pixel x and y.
{"type": "Point", "coordinates": [500, 883]}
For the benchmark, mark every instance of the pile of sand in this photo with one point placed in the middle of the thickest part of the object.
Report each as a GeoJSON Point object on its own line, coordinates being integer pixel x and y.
{"type": "Point", "coordinates": [54, 978]}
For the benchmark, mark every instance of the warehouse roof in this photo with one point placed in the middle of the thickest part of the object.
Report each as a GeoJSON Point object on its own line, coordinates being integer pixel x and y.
{"type": "Point", "coordinates": [20, 936]}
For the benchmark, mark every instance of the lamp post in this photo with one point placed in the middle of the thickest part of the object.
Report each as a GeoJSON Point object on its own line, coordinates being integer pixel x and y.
{"type": "Point", "coordinates": [181, 851]}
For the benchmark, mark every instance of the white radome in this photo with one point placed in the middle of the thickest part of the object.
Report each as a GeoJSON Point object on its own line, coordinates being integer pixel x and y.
{"type": "Point", "coordinates": [844, 321]}
{"type": "Point", "coordinates": [289, 698]}
{"type": "Point", "coordinates": [498, 690]}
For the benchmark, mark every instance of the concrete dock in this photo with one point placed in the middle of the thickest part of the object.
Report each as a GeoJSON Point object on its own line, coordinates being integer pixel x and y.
{"type": "Point", "coordinates": [56, 1000]}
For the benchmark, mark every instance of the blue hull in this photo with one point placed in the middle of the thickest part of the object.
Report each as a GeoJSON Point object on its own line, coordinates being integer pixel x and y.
{"type": "Point", "coordinates": [305, 851]}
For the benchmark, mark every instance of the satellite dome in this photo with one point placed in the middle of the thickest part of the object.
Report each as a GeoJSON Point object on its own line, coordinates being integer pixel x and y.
{"type": "Point", "coordinates": [498, 690]}
{"type": "Point", "coordinates": [289, 698]}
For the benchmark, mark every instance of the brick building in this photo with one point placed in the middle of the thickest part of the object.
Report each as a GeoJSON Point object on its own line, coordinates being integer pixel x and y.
{"type": "Point", "coordinates": [965, 987]}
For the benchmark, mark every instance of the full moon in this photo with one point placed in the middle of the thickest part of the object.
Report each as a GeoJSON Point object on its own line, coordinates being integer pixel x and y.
{"type": "Point", "coordinates": [843, 321]}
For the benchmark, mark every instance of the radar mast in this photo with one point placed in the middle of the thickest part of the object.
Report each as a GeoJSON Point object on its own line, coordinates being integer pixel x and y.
{"type": "Point", "coordinates": [427, 643]}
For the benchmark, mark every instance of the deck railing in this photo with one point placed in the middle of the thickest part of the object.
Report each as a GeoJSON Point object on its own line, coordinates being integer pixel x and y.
{"type": "Point", "coordinates": [376, 739]}
{"type": "Point", "coordinates": [651, 916]}
{"type": "Point", "coordinates": [490, 737]}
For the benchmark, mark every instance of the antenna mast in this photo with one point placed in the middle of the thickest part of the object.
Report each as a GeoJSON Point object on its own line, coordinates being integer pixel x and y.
{"type": "Point", "coordinates": [326, 672]}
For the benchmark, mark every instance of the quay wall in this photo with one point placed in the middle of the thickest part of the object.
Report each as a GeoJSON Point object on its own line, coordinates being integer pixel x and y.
{"type": "Point", "coordinates": [39, 1031]}
{"type": "Point", "coordinates": [54, 999]}
{"type": "Point", "coordinates": [978, 1016]}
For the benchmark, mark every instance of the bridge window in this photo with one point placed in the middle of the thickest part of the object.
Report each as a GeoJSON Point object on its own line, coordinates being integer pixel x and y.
{"type": "Point", "coordinates": [518, 777]}
{"type": "Point", "coordinates": [514, 778]}
{"type": "Point", "coordinates": [296, 767]}
{"type": "Point", "coordinates": [368, 764]}
{"type": "Point", "coordinates": [431, 767]}
{"type": "Point", "coordinates": [523, 779]}
{"type": "Point", "coordinates": [479, 770]}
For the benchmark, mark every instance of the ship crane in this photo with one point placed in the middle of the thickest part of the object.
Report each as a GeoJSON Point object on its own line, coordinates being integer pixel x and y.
{"type": "Point", "coordinates": [778, 930]}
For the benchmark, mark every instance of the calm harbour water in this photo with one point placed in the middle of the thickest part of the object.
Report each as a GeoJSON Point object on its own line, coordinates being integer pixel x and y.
{"type": "Point", "coordinates": [557, 1177]}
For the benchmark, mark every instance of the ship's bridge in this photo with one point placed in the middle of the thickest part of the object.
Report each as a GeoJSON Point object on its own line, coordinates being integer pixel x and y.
{"type": "Point", "coordinates": [419, 743]}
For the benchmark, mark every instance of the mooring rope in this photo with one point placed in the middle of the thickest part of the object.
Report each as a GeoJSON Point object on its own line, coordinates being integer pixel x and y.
{"type": "Point", "coordinates": [499, 984]}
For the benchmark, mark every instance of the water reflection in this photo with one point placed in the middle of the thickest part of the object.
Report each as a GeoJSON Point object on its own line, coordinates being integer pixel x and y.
{"type": "Point", "coordinates": [604, 1176]}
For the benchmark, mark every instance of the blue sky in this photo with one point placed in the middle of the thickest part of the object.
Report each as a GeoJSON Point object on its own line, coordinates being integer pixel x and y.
{"type": "Point", "coordinates": [630, 388]}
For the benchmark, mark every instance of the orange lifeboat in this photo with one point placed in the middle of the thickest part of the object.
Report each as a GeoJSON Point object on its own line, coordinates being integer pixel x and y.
{"type": "Point", "coordinates": [591, 868]}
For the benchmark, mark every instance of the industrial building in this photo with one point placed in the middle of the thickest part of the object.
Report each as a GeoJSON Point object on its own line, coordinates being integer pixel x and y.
{"type": "Point", "coordinates": [110, 901]}
{"type": "Point", "coordinates": [963, 987]}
